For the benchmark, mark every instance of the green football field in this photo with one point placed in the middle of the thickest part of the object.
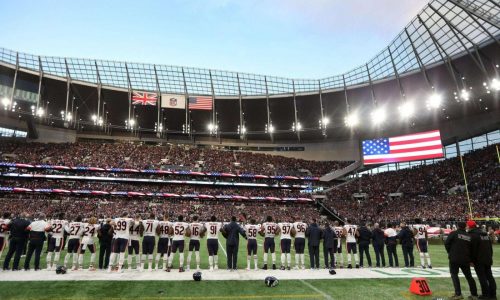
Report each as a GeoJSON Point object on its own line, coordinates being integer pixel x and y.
{"type": "Point", "coordinates": [393, 288]}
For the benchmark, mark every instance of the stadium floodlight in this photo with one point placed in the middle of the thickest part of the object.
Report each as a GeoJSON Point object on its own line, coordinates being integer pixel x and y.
{"type": "Point", "coordinates": [351, 120]}
{"type": "Point", "coordinates": [131, 122]}
{"type": "Point", "coordinates": [406, 110]}
{"type": "Point", "coordinates": [40, 112]}
{"type": "Point", "coordinates": [5, 101]}
{"type": "Point", "coordinates": [495, 84]}
{"type": "Point", "coordinates": [378, 116]}
{"type": "Point", "coordinates": [94, 118]}
{"type": "Point", "coordinates": [465, 95]}
{"type": "Point", "coordinates": [210, 127]}
{"type": "Point", "coordinates": [434, 101]}
{"type": "Point", "coordinates": [325, 121]}
{"type": "Point", "coordinates": [243, 130]}
{"type": "Point", "coordinates": [69, 116]}
{"type": "Point", "coordinates": [271, 128]}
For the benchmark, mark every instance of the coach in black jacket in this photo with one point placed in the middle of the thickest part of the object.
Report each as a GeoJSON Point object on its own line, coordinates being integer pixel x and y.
{"type": "Point", "coordinates": [482, 257]}
{"type": "Point", "coordinates": [458, 246]}
{"type": "Point", "coordinates": [365, 237]}
{"type": "Point", "coordinates": [232, 232]}
{"type": "Point", "coordinates": [313, 233]}
{"type": "Point", "coordinates": [378, 244]}
{"type": "Point", "coordinates": [105, 235]}
{"type": "Point", "coordinates": [328, 236]}
{"type": "Point", "coordinates": [405, 236]}
{"type": "Point", "coordinates": [18, 238]}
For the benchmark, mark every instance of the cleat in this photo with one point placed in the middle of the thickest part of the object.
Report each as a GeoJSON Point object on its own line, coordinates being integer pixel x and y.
{"type": "Point", "coordinates": [248, 269]}
{"type": "Point", "coordinates": [357, 266]}
{"type": "Point", "coordinates": [181, 269]}
{"type": "Point", "coordinates": [349, 266]}
{"type": "Point", "coordinates": [274, 266]}
{"type": "Point", "coordinates": [303, 267]}
{"type": "Point", "coordinates": [216, 267]}
{"type": "Point", "coordinates": [265, 267]}
{"type": "Point", "coordinates": [288, 268]}
{"type": "Point", "coordinates": [282, 268]}
{"type": "Point", "coordinates": [430, 267]}
{"type": "Point", "coordinates": [188, 268]}
{"type": "Point", "coordinates": [211, 269]}
{"type": "Point", "coordinates": [423, 267]}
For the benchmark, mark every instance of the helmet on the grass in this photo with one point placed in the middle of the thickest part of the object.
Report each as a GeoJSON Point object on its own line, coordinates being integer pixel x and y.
{"type": "Point", "coordinates": [271, 281]}
{"type": "Point", "coordinates": [197, 276]}
{"type": "Point", "coordinates": [60, 270]}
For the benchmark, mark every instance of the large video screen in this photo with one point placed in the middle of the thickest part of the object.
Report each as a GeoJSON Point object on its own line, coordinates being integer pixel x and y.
{"type": "Point", "coordinates": [417, 146]}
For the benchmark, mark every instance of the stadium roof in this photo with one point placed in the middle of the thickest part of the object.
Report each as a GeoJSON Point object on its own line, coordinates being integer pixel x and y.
{"type": "Point", "coordinates": [442, 30]}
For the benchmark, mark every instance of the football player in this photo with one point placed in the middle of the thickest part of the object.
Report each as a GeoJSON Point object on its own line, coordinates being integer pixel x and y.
{"type": "Point", "coordinates": [163, 230]}
{"type": "Point", "coordinates": [4, 236]}
{"type": "Point", "coordinates": [420, 233]}
{"type": "Point", "coordinates": [268, 229]}
{"type": "Point", "coordinates": [197, 231]}
{"type": "Point", "coordinates": [299, 231]}
{"type": "Point", "coordinates": [89, 232]}
{"type": "Point", "coordinates": [213, 228]}
{"type": "Point", "coordinates": [56, 241]}
{"type": "Point", "coordinates": [75, 231]}
{"type": "Point", "coordinates": [121, 229]}
{"type": "Point", "coordinates": [337, 248]}
{"type": "Point", "coordinates": [148, 242]}
{"type": "Point", "coordinates": [180, 230]}
{"type": "Point", "coordinates": [133, 246]}
{"type": "Point", "coordinates": [284, 230]}
{"type": "Point", "coordinates": [251, 230]}
{"type": "Point", "coordinates": [351, 232]}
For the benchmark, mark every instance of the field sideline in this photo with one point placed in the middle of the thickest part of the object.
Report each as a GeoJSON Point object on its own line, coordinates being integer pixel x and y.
{"type": "Point", "coordinates": [392, 288]}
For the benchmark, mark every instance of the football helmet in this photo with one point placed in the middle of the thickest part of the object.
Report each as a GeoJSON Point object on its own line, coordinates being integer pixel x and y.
{"type": "Point", "coordinates": [271, 281]}
{"type": "Point", "coordinates": [197, 276]}
{"type": "Point", "coordinates": [60, 270]}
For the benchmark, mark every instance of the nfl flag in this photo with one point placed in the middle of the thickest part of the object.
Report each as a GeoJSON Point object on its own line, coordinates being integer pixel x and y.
{"type": "Point", "coordinates": [418, 146]}
{"type": "Point", "coordinates": [144, 98]}
{"type": "Point", "coordinates": [173, 101]}
{"type": "Point", "coordinates": [200, 102]}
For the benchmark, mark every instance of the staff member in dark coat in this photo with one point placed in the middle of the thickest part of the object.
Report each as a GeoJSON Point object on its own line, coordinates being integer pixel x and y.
{"type": "Point", "coordinates": [482, 257]}
{"type": "Point", "coordinates": [378, 244]}
{"type": "Point", "coordinates": [37, 231]}
{"type": "Point", "coordinates": [364, 240]}
{"type": "Point", "coordinates": [458, 246]}
{"type": "Point", "coordinates": [313, 233]}
{"type": "Point", "coordinates": [405, 236]}
{"type": "Point", "coordinates": [105, 235]}
{"type": "Point", "coordinates": [232, 233]}
{"type": "Point", "coordinates": [328, 236]}
{"type": "Point", "coordinates": [18, 236]}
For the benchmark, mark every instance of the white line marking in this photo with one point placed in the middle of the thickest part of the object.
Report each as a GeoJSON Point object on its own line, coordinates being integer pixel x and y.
{"type": "Point", "coordinates": [222, 248]}
{"type": "Point", "coordinates": [316, 289]}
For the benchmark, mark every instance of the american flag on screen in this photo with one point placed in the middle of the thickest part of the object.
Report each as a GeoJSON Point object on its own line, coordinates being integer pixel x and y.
{"type": "Point", "coordinates": [418, 146]}
{"type": "Point", "coordinates": [144, 98]}
{"type": "Point", "coordinates": [200, 102]}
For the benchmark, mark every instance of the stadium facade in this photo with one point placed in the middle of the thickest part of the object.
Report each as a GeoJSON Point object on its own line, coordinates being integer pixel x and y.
{"type": "Point", "coordinates": [450, 49]}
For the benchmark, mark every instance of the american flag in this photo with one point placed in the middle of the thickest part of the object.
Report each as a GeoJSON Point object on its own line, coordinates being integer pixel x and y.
{"type": "Point", "coordinates": [418, 146]}
{"type": "Point", "coordinates": [200, 102]}
{"type": "Point", "coordinates": [144, 98]}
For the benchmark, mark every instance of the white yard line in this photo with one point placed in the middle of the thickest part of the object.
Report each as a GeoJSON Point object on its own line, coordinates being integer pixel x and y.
{"type": "Point", "coordinates": [312, 287]}
{"type": "Point", "coordinates": [222, 247]}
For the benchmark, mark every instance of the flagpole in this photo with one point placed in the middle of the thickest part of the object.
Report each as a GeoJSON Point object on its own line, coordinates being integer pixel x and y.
{"type": "Point", "coordinates": [466, 188]}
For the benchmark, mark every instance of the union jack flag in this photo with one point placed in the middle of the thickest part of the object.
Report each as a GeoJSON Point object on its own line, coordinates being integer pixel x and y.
{"type": "Point", "coordinates": [144, 98]}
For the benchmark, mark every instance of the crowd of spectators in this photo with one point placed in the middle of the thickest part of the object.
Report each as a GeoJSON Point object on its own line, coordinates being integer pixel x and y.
{"type": "Point", "coordinates": [433, 192]}
{"type": "Point", "coordinates": [108, 208]}
{"type": "Point", "coordinates": [182, 157]}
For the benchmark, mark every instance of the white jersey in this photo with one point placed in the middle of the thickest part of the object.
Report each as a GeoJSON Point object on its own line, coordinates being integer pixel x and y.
{"type": "Point", "coordinates": [339, 231]}
{"type": "Point", "coordinates": [196, 229]}
{"type": "Point", "coordinates": [4, 231]}
{"type": "Point", "coordinates": [75, 230]}
{"type": "Point", "coordinates": [150, 227]}
{"type": "Point", "coordinates": [89, 232]}
{"type": "Point", "coordinates": [269, 229]}
{"type": "Point", "coordinates": [351, 233]}
{"type": "Point", "coordinates": [421, 230]}
{"type": "Point", "coordinates": [285, 230]}
{"type": "Point", "coordinates": [390, 232]}
{"type": "Point", "coordinates": [58, 227]}
{"type": "Point", "coordinates": [164, 227]}
{"type": "Point", "coordinates": [213, 229]}
{"type": "Point", "coordinates": [300, 229]}
{"type": "Point", "coordinates": [122, 228]}
{"type": "Point", "coordinates": [134, 233]}
{"type": "Point", "coordinates": [180, 230]}
{"type": "Point", "coordinates": [252, 230]}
